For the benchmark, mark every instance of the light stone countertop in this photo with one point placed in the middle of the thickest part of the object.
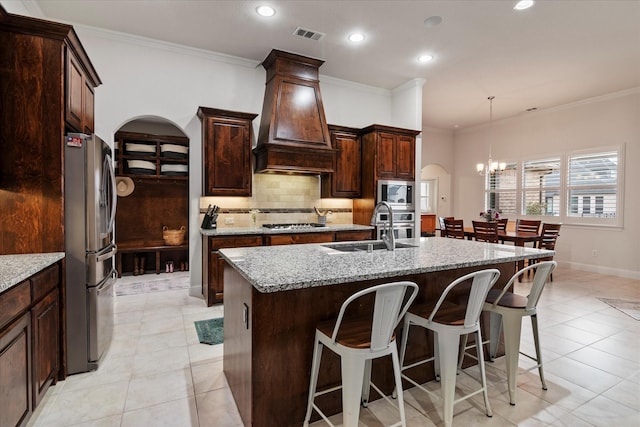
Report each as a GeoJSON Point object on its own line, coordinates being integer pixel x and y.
{"type": "Point", "coordinates": [15, 268]}
{"type": "Point", "coordinates": [282, 268]}
{"type": "Point", "coordinates": [234, 231]}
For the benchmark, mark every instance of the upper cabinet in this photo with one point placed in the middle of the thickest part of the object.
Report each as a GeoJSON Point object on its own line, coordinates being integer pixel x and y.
{"type": "Point", "coordinates": [79, 96]}
{"type": "Point", "coordinates": [389, 151]}
{"type": "Point", "coordinates": [346, 179]}
{"type": "Point", "coordinates": [226, 152]}
{"type": "Point", "coordinates": [46, 87]}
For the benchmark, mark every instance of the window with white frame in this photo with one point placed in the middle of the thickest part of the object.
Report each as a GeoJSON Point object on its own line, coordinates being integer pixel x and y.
{"type": "Point", "coordinates": [579, 187]}
{"type": "Point", "coordinates": [428, 190]}
{"type": "Point", "coordinates": [541, 187]}
{"type": "Point", "coordinates": [501, 190]}
{"type": "Point", "coordinates": [593, 185]}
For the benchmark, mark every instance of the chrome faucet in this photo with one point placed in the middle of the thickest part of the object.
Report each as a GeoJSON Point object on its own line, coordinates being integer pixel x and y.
{"type": "Point", "coordinates": [388, 236]}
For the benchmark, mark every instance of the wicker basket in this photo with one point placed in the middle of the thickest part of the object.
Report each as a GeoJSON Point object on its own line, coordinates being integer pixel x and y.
{"type": "Point", "coordinates": [173, 237]}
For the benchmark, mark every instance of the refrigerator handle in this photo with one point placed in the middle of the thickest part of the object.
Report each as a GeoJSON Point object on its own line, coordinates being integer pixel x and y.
{"type": "Point", "coordinates": [107, 255]}
{"type": "Point", "coordinates": [114, 195]}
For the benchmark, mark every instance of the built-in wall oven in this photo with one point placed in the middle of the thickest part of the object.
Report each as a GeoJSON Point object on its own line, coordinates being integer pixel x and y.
{"type": "Point", "coordinates": [403, 224]}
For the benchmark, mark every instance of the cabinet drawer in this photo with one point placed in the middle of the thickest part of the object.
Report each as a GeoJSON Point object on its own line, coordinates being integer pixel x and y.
{"type": "Point", "coordinates": [14, 301]}
{"type": "Point", "coordinates": [216, 243]}
{"type": "Point", "coordinates": [44, 281]}
{"type": "Point", "coordinates": [292, 239]}
{"type": "Point", "coordinates": [345, 236]}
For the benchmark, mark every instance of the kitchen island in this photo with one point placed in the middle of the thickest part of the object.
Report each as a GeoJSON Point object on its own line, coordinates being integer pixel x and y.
{"type": "Point", "coordinates": [275, 297]}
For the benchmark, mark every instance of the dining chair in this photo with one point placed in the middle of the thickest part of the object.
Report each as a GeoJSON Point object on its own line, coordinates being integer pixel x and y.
{"type": "Point", "coordinates": [448, 326]}
{"type": "Point", "coordinates": [485, 231]}
{"type": "Point", "coordinates": [548, 237]}
{"type": "Point", "coordinates": [359, 340]}
{"type": "Point", "coordinates": [506, 310]}
{"type": "Point", "coordinates": [454, 228]}
{"type": "Point", "coordinates": [441, 223]}
{"type": "Point", "coordinates": [502, 224]}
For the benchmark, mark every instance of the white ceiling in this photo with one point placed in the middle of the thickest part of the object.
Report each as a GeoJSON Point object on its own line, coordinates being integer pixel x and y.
{"type": "Point", "coordinates": [555, 53]}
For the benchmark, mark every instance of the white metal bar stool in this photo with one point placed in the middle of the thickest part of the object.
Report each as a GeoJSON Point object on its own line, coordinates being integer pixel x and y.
{"type": "Point", "coordinates": [358, 341]}
{"type": "Point", "coordinates": [448, 327]}
{"type": "Point", "coordinates": [507, 310]}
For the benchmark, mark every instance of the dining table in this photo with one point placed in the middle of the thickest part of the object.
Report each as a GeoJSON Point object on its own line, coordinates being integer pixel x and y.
{"type": "Point", "coordinates": [518, 238]}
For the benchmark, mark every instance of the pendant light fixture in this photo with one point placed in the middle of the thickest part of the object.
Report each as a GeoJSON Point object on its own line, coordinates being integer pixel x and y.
{"type": "Point", "coordinates": [491, 167]}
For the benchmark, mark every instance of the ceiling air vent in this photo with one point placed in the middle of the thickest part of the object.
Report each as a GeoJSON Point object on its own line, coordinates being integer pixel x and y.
{"type": "Point", "coordinates": [308, 34]}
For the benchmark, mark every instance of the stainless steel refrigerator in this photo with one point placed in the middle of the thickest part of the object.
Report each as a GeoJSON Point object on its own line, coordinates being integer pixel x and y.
{"type": "Point", "coordinates": [89, 215]}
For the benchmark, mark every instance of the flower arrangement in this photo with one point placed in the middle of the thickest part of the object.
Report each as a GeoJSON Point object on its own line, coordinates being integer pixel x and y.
{"type": "Point", "coordinates": [490, 215]}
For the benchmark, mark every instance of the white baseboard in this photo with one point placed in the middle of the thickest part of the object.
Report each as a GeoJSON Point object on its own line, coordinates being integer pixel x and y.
{"type": "Point", "coordinates": [629, 274]}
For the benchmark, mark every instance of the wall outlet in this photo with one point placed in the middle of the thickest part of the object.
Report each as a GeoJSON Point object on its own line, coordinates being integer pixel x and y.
{"type": "Point", "coordinates": [230, 220]}
{"type": "Point", "coordinates": [594, 252]}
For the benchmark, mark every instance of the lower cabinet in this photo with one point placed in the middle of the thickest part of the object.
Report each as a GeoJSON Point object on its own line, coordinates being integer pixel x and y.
{"type": "Point", "coordinates": [15, 373]}
{"type": "Point", "coordinates": [30, 331]}
{"type": "Point", "coordinates": [45, 320]}
{"type": "Point", "coordinates": [213, 263]}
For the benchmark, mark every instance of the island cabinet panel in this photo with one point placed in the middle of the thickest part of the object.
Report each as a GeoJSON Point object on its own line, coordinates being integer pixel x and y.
{"type": "Point", "coordinates": [274, 349]}
{"type": "Point", "coordinates": [226, 145]}
{"type": "Point", "coordinates": [345, 181]}
{"type": "Point", "coordinates": [15, 373]}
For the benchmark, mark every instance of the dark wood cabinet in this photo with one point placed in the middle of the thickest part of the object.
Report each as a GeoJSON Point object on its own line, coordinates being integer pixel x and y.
{"type": "Point", "coordinates": [45, 320]}
{"type": "Point", "coordinates": [15, 373]}
{"type": "Point", "coordinates": [213, 264]}
{"type": "Point", "coordinates": [79, 96]}
{"type": "Point", "coordinates": [427, 224]}
{"type": "Point", "coordinates": [391, 151]}
{"type": "Point", "coordinates": [345, 181]}
{"type": "Point", "coordinates": [226, 152]}
{"type": "Point", "coordinates": [298, 238]}
{"type": "Point", "coordinates": [387, 153]}
{"type": "Point", "coordinates": [42, 78]}
{"type": "Point", "coordinates": [349, 235]}
{"type": "Point", "coordinates": [30, 344]}
{"type": "Point", "coordinates": [160, 198]}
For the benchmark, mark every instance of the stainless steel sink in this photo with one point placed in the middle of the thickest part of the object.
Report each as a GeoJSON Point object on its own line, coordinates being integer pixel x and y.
{"type": "Point", "coordinates": [365, 246]}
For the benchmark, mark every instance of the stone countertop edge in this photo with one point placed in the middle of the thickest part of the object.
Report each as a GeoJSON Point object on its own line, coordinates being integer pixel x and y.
{"type": "Point", "coordinates": [16, 268]}
{"type": "Point", "coordinates": [236, 231]}
{"type": "Point", "coordinates": [290, 267]}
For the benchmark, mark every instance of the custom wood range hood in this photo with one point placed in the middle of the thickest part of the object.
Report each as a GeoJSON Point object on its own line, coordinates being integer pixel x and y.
{"type": "Point", "coordinates": [293, 135]}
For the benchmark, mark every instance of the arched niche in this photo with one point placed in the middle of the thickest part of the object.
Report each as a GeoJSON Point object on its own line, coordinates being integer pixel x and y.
{"type": "Point", "coordinates": [159, 199]}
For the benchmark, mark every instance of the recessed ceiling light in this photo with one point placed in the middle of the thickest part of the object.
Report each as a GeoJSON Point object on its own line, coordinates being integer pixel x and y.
{"type": "Point", "coordinates": [356, 37]}
{"type": "Point", "coordinates": [523, 4]}
{"type": "Point", "coordinates": [425, 58]}
{"type": "Point", "coordinates": [266, 11]}
{"type": "Point", "coordinates": [433, 21]}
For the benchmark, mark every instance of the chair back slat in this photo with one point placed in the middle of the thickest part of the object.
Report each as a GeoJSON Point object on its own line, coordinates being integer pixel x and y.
{"type": "Point", "coordinates": [528, 225]}
{"type": "Point", "coordinates": [484, 231]}
{"type": "Point", "coordinates": [454, 228]}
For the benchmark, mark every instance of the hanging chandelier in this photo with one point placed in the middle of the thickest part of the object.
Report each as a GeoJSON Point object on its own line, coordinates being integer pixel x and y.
{"type": "Point", "coordinates": [491, 167]}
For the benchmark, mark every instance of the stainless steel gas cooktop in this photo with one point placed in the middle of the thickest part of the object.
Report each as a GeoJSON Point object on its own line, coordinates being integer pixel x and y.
{"type": "Point", "coordinates": [299, 226]}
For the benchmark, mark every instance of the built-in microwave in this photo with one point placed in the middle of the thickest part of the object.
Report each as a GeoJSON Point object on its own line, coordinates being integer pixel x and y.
{"type": "Point", "coordinates": [399, 194]}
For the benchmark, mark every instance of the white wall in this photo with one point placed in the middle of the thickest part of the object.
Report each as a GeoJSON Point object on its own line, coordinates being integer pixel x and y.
{"type": "Point", "coordinates": [143, 77]}
{"type": "Point", "coordinates": [604, 121]}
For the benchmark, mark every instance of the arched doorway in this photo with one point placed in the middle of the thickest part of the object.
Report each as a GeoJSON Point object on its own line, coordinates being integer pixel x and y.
{"type": "Point", "coordinates": [152, 216]}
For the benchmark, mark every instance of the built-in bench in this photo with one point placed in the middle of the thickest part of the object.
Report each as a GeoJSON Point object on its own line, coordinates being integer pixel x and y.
{"type": "Point", "coordinates": [155, 247]}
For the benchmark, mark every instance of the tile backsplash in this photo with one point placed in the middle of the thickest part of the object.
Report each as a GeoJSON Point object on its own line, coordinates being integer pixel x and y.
{"type": "Point", "coordinates": [280, 199]}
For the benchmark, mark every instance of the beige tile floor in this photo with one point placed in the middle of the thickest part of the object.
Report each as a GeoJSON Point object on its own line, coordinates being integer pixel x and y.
{"type": "Point", "coordinates": [157, 374]}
